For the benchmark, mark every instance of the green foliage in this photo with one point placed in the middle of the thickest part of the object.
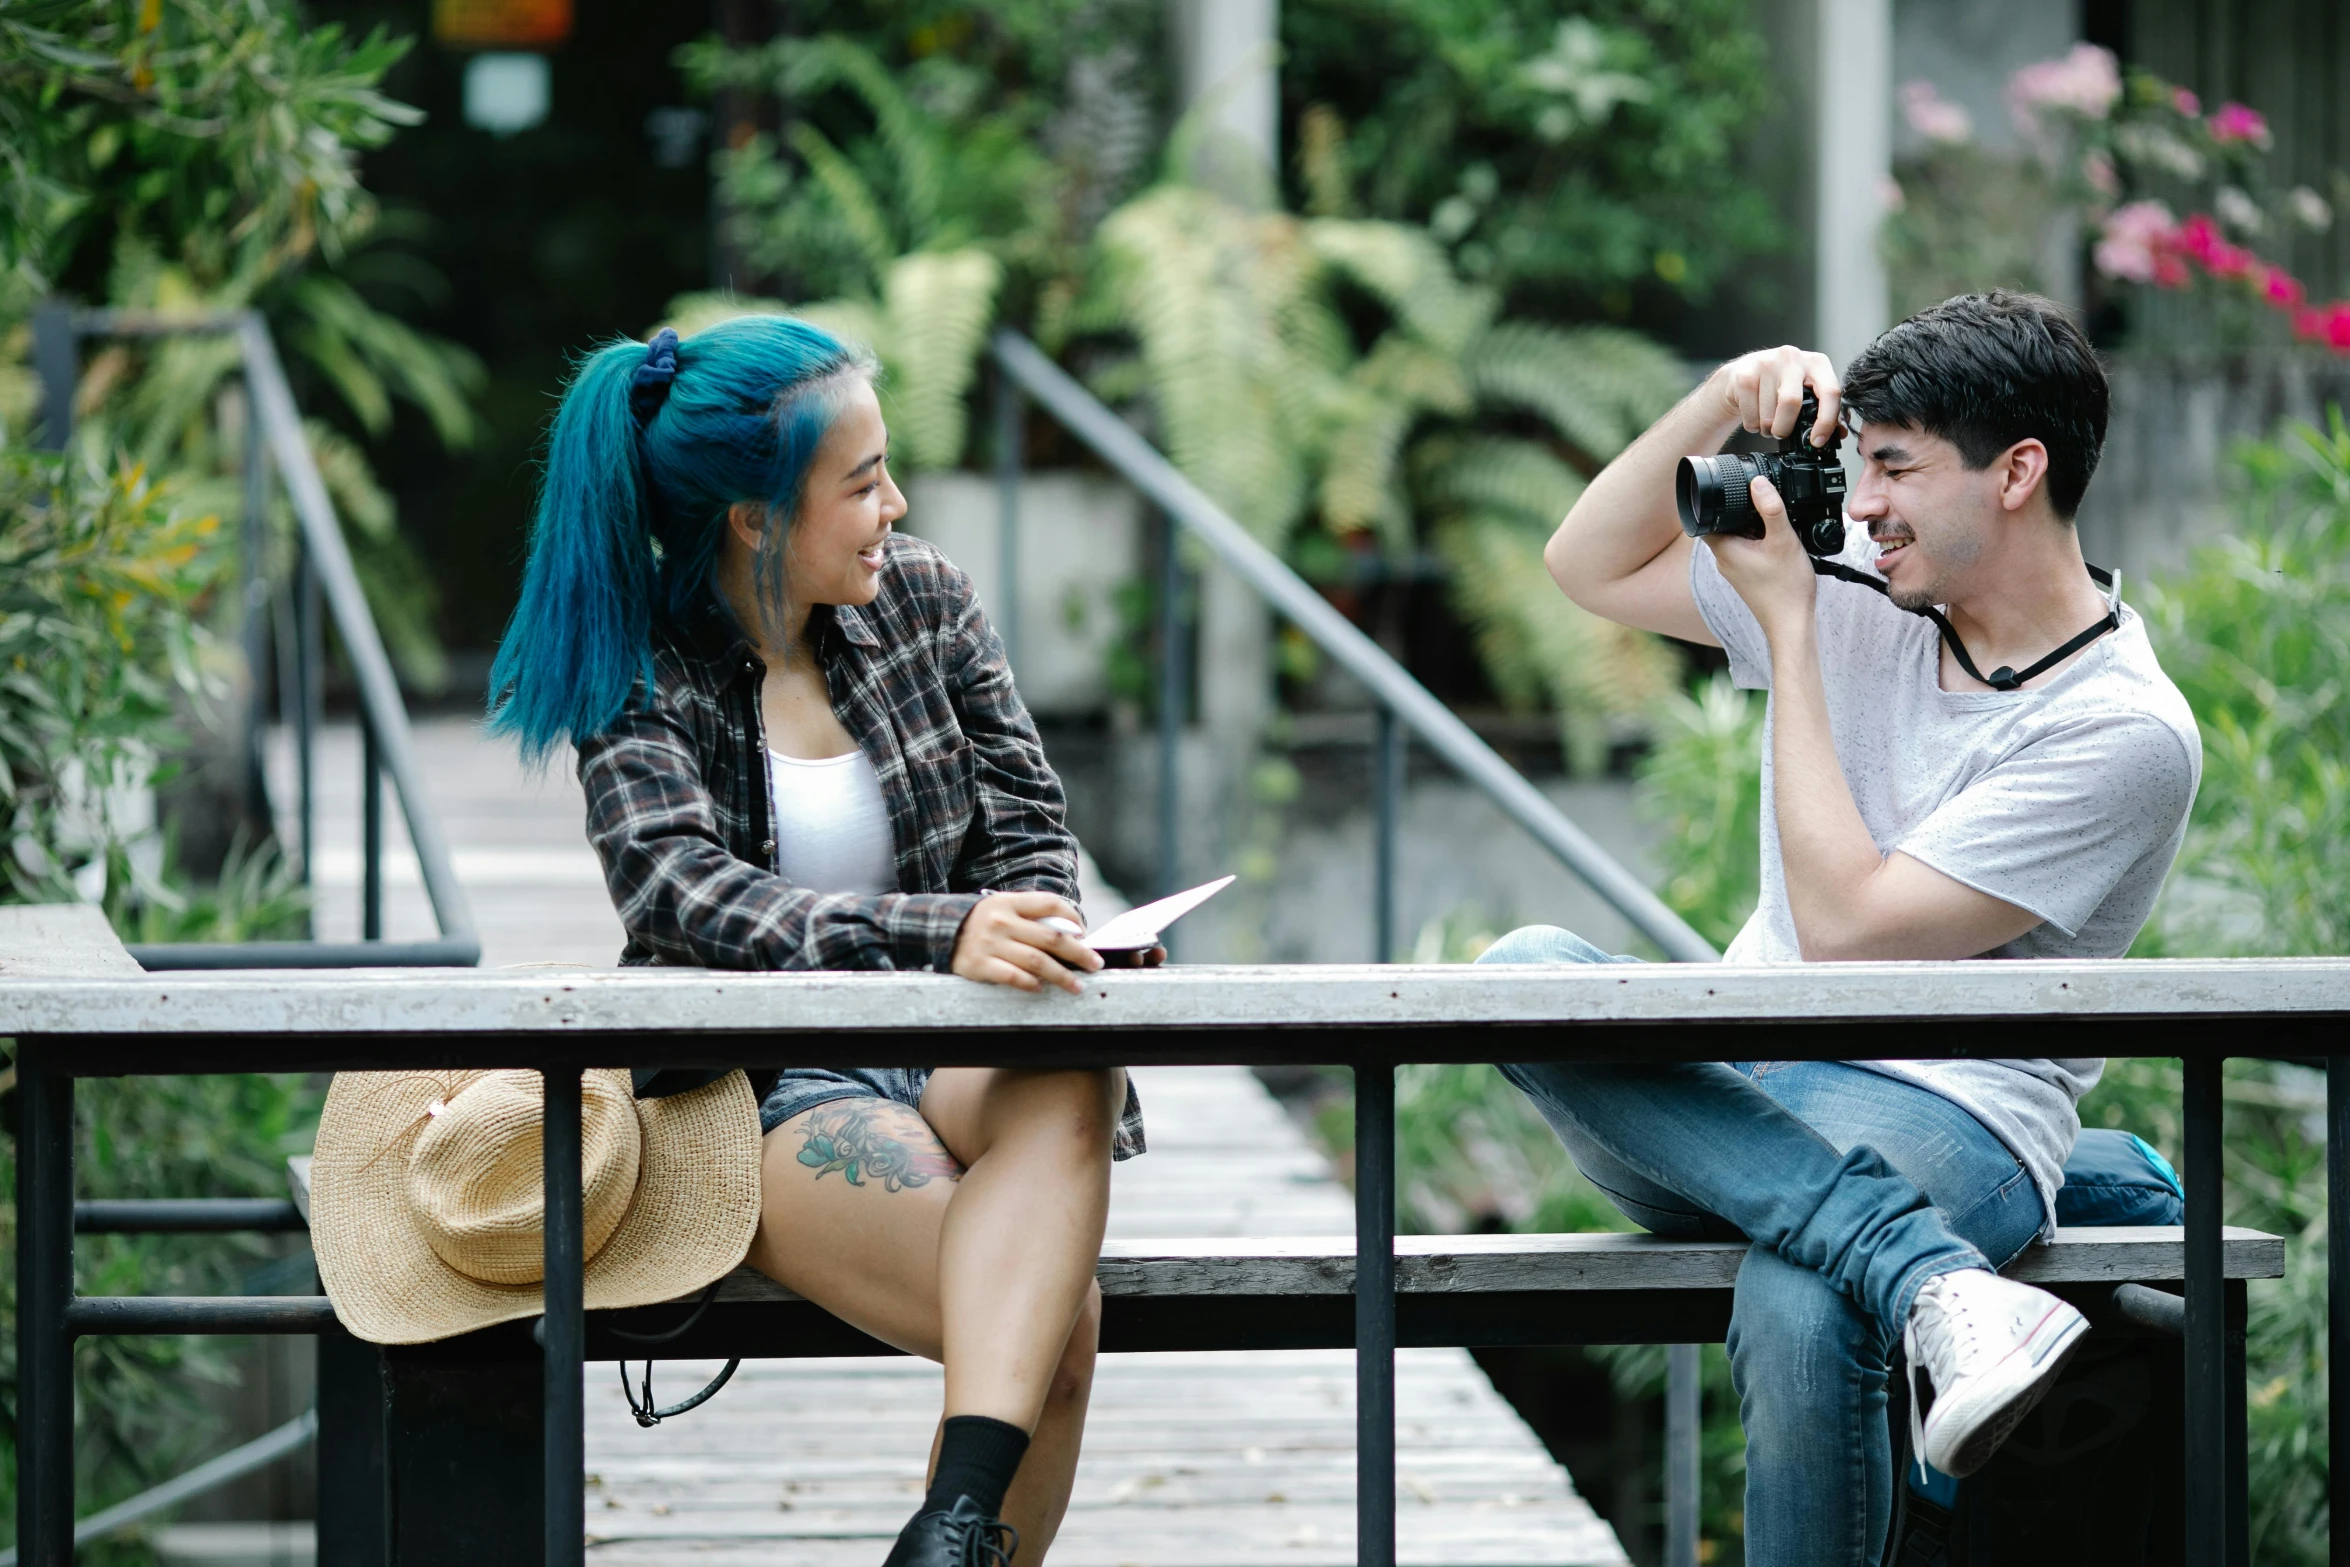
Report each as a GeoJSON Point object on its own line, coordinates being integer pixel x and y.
{"type": "Point", "coordinates": [225, 126]}
{"type": "Point", "coordinates": [102, 577]}
{"type": "Point", "coordinates": [1582, 157]}
{"type": "Point", "coordinates": [1341, 371]}
{"type": "Point", "coordinates": [1701, 783]}
{"type": "Point", "coordinates": [2256, 632]}
{"type": "Point", "coordinates": [196, 156]}
{"type": "Point", "coordinates": [2274, 1181]}
{"type": "Point", "coordinates": [140, 1415]}
{"type": "Point", "coordinates": [935, 127]}
{"type": "Point", "coordinates": [908, 226]}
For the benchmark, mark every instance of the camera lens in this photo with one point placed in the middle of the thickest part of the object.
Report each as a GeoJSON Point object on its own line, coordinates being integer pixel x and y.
{"type": "Point", "coordinates": [1711, 493]}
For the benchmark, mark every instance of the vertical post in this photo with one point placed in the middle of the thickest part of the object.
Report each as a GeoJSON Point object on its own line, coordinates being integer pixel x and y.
{"type": "Point", "coordinates": [1852, 161]}
{"type": "Point", "coordinates": [2239, 1457]}
{"type": "Point", "coordinates": [253, 571]}
{"type": "Point", "coordinates": [565, 1325]}
{"type": "Point", "coordinates": [1682, 1415]}
{"type": "Point", "coordinates": [1172, 702]}
{"type": "Point", "coordinates": [309, 655]}
{"type": "Point", "coordinates": [1011, 457]}
{"type": "Point", "coordinates": [1387, 765]}
{"type": "Point", "coordinates": [58, 359]}
{"type": "Point", "coordinates": [1375, 1313]}
{"type": "Point", "coordinates": [2206, 1461]}
{"type": "Point", "coordinates": [2338, 1297]}
{"type": "Point", "coordinates": [371, 817]}
{"type": "Point", "coordinates": [44, 1284]}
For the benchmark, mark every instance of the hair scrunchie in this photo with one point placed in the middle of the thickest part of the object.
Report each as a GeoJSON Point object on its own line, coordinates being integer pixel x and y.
{"type": "Point", "coordinates": [648, 384]}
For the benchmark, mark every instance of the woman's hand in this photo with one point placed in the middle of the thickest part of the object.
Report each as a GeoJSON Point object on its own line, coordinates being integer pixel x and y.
{"type": "Point", "coordinates": [1003, 943]}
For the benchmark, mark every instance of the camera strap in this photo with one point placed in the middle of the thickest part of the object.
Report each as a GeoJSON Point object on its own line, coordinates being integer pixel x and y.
{"type": "Point", "coordinates": [2005, 677]}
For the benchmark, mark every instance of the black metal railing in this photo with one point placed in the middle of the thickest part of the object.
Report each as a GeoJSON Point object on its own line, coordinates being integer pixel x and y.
{"type": "Point", "coordinates": [2187, 1009]}
{"type": "Point", "coordinates": [282, 630]}
{"type": "Point", "coordinates": [1406, 709]}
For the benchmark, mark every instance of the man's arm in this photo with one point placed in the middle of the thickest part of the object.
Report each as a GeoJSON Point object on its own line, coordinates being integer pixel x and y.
{"type": "Point", "coordinates": [1621, 553]}
{"type": "Point", "coordinates": [1850, 902]}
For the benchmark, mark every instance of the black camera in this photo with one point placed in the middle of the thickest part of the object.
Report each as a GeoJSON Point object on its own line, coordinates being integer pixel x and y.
{"type": "Point", "coordinates": [1712, 491]}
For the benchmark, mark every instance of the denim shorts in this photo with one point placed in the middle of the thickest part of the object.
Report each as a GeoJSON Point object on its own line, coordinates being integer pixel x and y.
{"type": "Point", "coordinates": [803, 1088]}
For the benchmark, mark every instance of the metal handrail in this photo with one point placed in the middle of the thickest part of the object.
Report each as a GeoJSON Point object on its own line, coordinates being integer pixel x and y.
{"type": "Point", "coordinates": [1026, 368]}
{"type": "Point", "coordinates": [275, 436]}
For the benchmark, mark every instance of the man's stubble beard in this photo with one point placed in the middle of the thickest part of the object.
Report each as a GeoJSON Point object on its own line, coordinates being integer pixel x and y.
{"type": "Point", "coordinates": [1952, 551]}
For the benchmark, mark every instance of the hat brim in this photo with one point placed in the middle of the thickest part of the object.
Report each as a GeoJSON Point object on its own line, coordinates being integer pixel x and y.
{"type": "Point", "coordinates": [691, 1220]}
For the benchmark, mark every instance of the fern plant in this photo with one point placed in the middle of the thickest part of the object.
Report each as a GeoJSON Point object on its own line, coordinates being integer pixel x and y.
{"type": "Point", "coordinates": [1448, 427]}
{"type": "Point", "coordinates": [891, 221]}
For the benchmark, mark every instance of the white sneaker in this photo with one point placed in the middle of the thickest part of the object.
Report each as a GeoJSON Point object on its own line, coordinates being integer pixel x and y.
{"type": "Point", "coordinates": [1993, 1347]}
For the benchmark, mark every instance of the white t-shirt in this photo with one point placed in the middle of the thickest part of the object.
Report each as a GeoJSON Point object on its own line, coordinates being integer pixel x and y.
{"type": "Point", "coordinates": [2067, 799]}
{"type": "Point", "coordinates": [832, 825]}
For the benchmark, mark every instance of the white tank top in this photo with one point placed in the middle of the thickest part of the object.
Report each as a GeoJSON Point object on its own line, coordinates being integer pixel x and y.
{"type": "Point", "coordinates": [832, 825]}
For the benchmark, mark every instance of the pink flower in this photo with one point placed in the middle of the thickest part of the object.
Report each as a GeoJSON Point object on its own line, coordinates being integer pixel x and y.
{"type": "Point", "coordinates": [2283, 290]}
{"type": "Point", "coordinates": [2236, 123]}
{"type": "Point", "coordinates": [2327, 324]}
{"type": "Point", "coordinates": [2185, 102]}
{"type": "Point", "coordinates": [2135, 240]}
{"type": "Point", "coordinates": [2169, 271]}
{"type": "Point", "coordinates": [2199, 238]}
{"type": "Point", "coordinates": [2232, 261]}
{"type": "Point", "coordinates": [2097, 168]}
{"type": "Point", "coordinates": [1933, 117]}
{"type": "Point", "coordinates": [2086, 82]}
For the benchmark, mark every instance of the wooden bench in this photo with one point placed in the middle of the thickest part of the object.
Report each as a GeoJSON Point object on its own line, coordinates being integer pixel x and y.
{"type": "Point", "coordinates": [1297, 1292]}
{"type": "Point", "coordinates": [458, 1421]}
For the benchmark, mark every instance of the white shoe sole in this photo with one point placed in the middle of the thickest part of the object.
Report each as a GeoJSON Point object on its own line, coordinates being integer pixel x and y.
{"type": "Point", "coordinates": [1964, 1430]}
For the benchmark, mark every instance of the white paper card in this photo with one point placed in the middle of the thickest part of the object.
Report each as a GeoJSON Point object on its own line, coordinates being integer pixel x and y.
{"type": "Point", "coordinates": [1140, 927]}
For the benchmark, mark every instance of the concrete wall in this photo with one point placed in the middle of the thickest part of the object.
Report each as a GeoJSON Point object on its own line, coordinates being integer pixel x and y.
{"type": "Point", "coordinates": [2162, 484]}
{"type": "Point", "coordinates": [1080, 538]}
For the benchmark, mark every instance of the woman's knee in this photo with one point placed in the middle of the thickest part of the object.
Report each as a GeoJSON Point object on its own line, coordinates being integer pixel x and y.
{"type": "Point", "coordinates": [1080, 1107]}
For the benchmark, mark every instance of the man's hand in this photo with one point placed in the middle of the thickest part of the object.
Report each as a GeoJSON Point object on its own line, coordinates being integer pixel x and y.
{"type": "Point", "coordinates": [1002, 943]}
{"type": "Point", "coordinates": [1773, 573]}
{"type": "Point", "coordinates": [1763, 391]}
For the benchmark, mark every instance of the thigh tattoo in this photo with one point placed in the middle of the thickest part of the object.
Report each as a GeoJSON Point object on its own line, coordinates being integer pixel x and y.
{"type": "Point", "coordinates": [876, 1139]}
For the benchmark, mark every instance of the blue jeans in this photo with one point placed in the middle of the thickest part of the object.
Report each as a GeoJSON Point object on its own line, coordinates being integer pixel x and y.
{"type": "Point", "coordinates": [1854, 1188]}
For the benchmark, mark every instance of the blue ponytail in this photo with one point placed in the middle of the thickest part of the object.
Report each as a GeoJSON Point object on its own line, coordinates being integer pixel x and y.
{"type": "Point", "coordinates": [651, 447]}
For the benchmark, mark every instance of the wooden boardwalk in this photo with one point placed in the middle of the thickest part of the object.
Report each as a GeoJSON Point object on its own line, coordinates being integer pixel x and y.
{"type": "Point", "coordinates": [1191, 1460]}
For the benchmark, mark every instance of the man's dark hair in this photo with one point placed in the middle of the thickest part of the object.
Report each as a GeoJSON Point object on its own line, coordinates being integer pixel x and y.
{"type": "Point", "coordinates": [1984, 371]}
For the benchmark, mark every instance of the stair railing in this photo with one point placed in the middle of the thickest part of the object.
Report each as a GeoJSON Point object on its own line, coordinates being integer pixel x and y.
{"type": "Point", "coordinates": [324, 585]}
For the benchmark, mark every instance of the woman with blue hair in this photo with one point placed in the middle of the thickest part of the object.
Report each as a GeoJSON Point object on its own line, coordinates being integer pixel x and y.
{"type": "Point", "coordinates": [802, 750]}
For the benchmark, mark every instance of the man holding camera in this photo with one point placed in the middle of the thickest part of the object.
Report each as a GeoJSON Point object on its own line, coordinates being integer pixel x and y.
{"type": "Point", "coordinates": [1912, 808]}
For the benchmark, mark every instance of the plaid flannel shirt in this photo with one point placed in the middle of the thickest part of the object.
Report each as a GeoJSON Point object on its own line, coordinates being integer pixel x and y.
{"type": "Point", "coordinates": [679, 805]}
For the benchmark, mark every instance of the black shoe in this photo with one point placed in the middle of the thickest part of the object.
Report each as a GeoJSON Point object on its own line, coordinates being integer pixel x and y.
{"type": "Point", "coordinates": [959, 1536]}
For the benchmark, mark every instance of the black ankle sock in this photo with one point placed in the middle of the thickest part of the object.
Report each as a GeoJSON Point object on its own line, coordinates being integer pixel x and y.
{"type": "Point", "coordinates": [977, 1457]}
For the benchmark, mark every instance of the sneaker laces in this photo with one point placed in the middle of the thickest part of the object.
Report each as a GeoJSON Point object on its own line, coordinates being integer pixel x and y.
{"type": "Point", "coordinates": [990, 1543]}
{"type": "Point", "coordinates": [1945, 1330]}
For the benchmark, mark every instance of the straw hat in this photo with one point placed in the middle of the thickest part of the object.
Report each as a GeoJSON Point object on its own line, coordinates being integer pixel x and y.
{"type": "Point", "coordinates": [427, 1208]}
